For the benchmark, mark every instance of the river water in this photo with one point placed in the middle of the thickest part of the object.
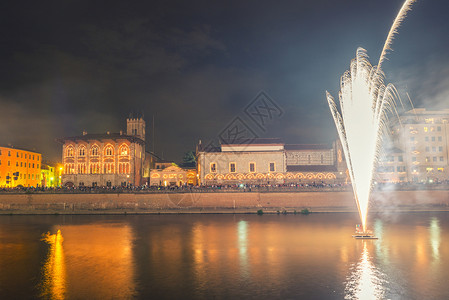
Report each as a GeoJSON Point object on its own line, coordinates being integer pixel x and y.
{"type": "Point", "coordinates": [224, 257]}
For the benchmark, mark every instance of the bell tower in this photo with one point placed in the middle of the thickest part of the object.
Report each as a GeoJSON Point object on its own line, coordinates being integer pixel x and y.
{"type": "Point", "coordinates": [135, 127]}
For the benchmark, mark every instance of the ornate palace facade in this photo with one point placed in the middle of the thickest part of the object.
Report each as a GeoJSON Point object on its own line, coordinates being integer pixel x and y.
{"type": "Point", "coordinates": [109, 159]}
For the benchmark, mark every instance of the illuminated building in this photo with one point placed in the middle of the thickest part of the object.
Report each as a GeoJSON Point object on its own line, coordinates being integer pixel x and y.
{"type": "Point", "coordinates": [109, 159]}
{"type": "Point", "coordinates": [173, 176]}
{"type": "Point", "coordinates": [420, 148]}
{"type": "Point", "coordinates": [270, 161]}
{"type": "Point", "coordinates": [19, 167]}
{"type": "Point", "coordinates": [48, 175]}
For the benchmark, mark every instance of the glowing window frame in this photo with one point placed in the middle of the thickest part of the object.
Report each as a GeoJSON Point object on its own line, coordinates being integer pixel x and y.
{"type": "Point", "coordinates": [215, 167]}
{"type": "Point", "coordinates": [235, 167]}
{"type": "Point", "coordinates": [82, 151]}
{"type": "Point", "coordinates": [120, 151]}
{"type": "Point", "coordinates": [70, 151]}
{"type": "Point", "coordinates": [249, 167]}
{"type": "Point", "coordinates": [108, 147]}
{"type": "Point", "coordinates": [95, 153]}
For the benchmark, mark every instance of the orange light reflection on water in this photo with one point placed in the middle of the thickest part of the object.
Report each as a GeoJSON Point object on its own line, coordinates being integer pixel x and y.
{"type": "Point", "coordinates": [54, 271]}
{"type": "Point", "coordinates": [99, 261]}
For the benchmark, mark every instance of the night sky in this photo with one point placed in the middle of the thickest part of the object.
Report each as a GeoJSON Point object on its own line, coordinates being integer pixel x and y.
{"type": "Point", "coordinates": [69, 66]}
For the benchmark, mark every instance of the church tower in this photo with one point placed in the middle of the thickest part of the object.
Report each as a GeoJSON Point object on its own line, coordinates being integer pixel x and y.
{"type": "Point", "coordinates": [135, 127]}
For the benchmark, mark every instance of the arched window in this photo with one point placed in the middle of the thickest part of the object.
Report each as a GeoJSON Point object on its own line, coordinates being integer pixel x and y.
{"type": "Point", "coordinates": [108, 150]}
{"type": "Point", "coordinates": [124, 150]}
{"type": "Point", "coordinates": [70, 151]}
{"type": "Point", "coordinates": [123, 168]}
{"type": "Point", "coordinates": [94, 150]}
{"type": "Point", "coordinates": [82, 151]}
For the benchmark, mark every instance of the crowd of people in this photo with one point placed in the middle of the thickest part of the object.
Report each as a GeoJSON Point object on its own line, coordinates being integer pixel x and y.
{"type": "Point", "coordinates": [321, 186]}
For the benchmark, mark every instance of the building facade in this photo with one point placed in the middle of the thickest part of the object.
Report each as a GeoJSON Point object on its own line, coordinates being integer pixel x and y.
{"type": "Point", "coordinates": [419, 151]}
{"type": "Point", "coordinates": [173, 176]}
{"type": "Point", "coordinates": [110, 159]}
{"type": "Point", "coordinates": [19, 167]}
{"type": "Point", "coordinates": [269, 161]}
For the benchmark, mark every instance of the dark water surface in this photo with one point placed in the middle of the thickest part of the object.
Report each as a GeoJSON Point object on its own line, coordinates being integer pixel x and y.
{"type": "Point", "coordinates": [224, 257]}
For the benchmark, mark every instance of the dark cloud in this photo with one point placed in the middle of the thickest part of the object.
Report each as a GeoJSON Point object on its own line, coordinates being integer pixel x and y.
{"type": "Point", "coordinates": [69, 66]}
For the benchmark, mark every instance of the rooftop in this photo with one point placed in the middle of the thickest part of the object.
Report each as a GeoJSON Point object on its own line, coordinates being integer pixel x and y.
{"type": "Point", "coordinates": [101, 136]}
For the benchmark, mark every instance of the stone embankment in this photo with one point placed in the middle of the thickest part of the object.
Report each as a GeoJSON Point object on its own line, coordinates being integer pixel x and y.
{"type": "Point", "coordinates": [421, 200]}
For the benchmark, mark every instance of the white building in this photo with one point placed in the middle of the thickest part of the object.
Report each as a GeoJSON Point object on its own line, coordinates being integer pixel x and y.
{"type": "Point", "coordinates": [269, 161]}
{"type": "Point", "coordinates": [420, 148]}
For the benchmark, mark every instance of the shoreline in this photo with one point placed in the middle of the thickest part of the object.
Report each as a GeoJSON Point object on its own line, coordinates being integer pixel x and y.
{"type": "Point", "coordinates": [218, 203]}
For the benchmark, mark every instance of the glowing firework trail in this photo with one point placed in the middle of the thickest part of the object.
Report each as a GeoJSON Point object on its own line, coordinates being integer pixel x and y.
{"type": "Point", "coordinates": [364, 102]}
{"type": "Point", "coordinates": [394, 29]}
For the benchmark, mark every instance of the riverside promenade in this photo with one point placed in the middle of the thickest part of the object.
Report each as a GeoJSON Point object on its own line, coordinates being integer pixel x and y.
{"type": "Point", "coordinates": [219, 202]}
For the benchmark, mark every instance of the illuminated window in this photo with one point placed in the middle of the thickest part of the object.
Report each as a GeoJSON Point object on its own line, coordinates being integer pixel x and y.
{"type": "Point", "coordinates": [429, 169]}
{"type": "Point", "coordinates": [426, 129]}
{"type": "Point", "coordinates": [432, 129]}
{"type": "Point", "coordinates": [123, 168]}
{"type": "Point", "coordinates": [124, 150]}
{"type": "Point", "coordinates": [109, 150]}
{"type": "Point", "coordinates": [94, 150]}
{"type": "Point", "coordinates": [272, 167]}
{"type": "Point", "coordinates": [213, 167]}
{"type": "Point", "coordinates": [232, 167]}
{"type": "Point", "coordinates": [69, 151]}
{"type": "Point", "coordinates": [440, 169]}
{"type": "Point", "coordinates": [427, 158]}
{"type": "Point", "coordinates": [252, 167]}
{"type": "Point", "coordinates": [82, 151]}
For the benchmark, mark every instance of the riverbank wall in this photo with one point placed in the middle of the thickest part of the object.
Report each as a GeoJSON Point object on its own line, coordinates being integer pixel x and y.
{"type": "Point", "coordinates": [247, 202]}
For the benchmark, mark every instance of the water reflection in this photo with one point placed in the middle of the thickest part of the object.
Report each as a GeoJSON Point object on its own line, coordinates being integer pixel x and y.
{"type": "Point", "coordinates": [242, 231]}
{"type": "Point", "coordinates": [54, 271]}
{"type": "Point", "coordinates": [434, 230]}
{"type": "Point", "coordinates": [365, 280]}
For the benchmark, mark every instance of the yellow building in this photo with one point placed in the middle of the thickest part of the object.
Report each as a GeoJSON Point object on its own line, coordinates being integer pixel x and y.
{"type": "Point", "coordinates": [19, 167]}
{"type": "Point", "coordinates": [48, 175]}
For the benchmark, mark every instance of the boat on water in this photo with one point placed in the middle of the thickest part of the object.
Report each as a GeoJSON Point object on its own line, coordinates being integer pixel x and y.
{"type": "Point", "coordinates": [365, 236]}
{"type": "Point", "coordinates": [360, 234]}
